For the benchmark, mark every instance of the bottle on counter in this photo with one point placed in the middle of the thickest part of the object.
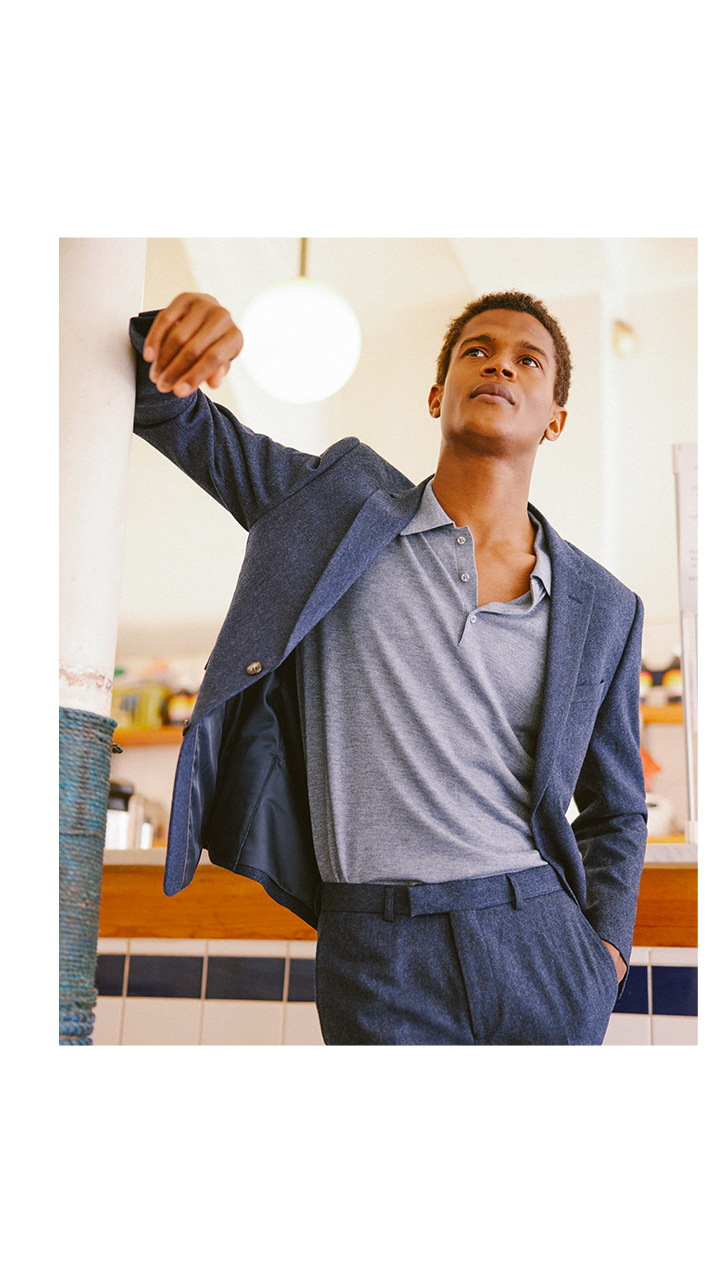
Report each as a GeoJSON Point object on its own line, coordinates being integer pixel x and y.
{"type": "Point", "coordinates": [117, 826]}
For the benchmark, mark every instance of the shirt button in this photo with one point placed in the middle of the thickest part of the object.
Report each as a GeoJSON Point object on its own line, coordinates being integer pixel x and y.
{"type": "Point", "coordinates": [473, 618]}
{"type": "Point", "coordinates": [464, 577]}
{"type": "Point", "coordinates": [253, 668]}
{"type": "Point", "coordinates": [460, 541]}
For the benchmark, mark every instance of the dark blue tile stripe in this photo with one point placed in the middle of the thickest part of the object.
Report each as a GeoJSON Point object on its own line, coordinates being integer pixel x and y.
{"type": "Point", "coordinates": [173, 977]}
{"type": "Point", "coordinates": [245, 978]}
{"type": "Point", "coordinates": [301, 981]}
{"type": "Point", "coordinates": [675, 990]}
{"type": "Point", "coordinates": [635, 993]}
{"type": "Point", "coordinates": [109, 972]}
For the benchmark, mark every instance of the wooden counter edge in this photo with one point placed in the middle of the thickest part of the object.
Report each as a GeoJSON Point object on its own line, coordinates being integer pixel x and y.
{"type": "Point", "coordinates": [219, 904]}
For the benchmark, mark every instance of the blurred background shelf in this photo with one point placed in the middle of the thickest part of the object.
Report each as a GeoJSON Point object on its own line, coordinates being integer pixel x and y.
{"type": "Point", "coordinates": [172, 735]}
{"type": "Point", "coordinates": [169, 735]}
{"type": "Point", "coordinates": [672, 713]}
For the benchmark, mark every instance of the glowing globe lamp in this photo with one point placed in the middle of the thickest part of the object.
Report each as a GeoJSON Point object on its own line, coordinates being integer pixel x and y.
{"type": "Point", "coordinates": [301, 341]}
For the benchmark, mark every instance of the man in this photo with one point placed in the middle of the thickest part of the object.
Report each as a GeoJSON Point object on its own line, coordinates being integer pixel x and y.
{"type": "Point", "coordinates": [410, 686]}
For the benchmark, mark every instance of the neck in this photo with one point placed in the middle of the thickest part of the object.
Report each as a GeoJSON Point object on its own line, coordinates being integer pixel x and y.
{"type": "Point", "coordinates": [488, 494]}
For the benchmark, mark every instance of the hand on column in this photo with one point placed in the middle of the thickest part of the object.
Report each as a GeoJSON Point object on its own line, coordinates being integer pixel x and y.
{"type": "Point", "coordinates": [193, 340]}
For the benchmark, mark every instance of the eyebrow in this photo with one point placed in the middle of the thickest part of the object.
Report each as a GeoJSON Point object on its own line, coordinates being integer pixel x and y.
{"type": "Point", "coordinates": [485, 337]}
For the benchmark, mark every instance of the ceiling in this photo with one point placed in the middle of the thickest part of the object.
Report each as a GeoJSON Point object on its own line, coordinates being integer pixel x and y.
{"type": "Point", "coordinates": [379, 276]}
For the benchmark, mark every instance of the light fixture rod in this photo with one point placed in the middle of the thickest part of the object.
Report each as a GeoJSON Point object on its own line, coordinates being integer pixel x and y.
{"type": "Point", "coordinates": [303, 245]}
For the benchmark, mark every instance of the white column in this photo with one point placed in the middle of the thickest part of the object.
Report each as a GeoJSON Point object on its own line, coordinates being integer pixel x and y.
{"type": "Point", "coordinates": [101, 287]}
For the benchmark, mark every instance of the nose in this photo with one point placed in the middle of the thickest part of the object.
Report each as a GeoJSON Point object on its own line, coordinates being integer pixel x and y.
{"type": "Point", "coordinates": [501, 366]}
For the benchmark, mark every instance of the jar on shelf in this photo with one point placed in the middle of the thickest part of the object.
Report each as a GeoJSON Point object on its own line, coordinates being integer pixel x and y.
{"type": "Point", "coordinates": [672, 683]}
{"type": "Point", "coordinates": [180, 706]}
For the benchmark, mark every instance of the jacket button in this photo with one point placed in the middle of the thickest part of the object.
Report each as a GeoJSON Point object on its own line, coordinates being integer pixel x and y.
{"type": "Point", "coordinates": [253, 668]}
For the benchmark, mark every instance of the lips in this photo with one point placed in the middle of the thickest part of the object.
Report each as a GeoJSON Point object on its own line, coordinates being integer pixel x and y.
{"type": "Point", "coordinates": [493, 389]}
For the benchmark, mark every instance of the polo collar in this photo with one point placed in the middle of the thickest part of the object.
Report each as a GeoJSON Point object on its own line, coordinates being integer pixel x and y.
{"type": "Point", "coordinates": [430, 515]}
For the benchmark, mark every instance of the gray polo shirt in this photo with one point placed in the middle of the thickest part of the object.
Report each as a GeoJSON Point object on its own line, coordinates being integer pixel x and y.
{"type": "Point", "coordinates": [420, 713]}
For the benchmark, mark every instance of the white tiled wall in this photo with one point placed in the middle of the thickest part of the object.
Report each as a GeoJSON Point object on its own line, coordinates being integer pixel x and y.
{"type": "Point", "coordinates": [139, 1020]}
{"type": "Point", "coordinates": [652, 1028]}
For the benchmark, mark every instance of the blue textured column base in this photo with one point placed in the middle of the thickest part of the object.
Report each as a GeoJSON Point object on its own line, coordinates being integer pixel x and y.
{"type": "Point", "coordinates": [76, 1027]}
{"type": "Point", "coordinates": [85, 748]}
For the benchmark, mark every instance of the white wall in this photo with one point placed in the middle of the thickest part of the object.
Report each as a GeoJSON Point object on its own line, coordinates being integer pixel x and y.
{"type": "Point", "coordinates": [606, 485]}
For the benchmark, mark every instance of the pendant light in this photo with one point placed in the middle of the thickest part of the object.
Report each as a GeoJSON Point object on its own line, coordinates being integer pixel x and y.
{"type": "Point", "coordinates": [301, 340]}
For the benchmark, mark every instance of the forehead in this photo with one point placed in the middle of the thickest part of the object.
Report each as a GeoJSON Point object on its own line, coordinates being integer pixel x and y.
{"type": "Point", "coordinates": [516, 325]}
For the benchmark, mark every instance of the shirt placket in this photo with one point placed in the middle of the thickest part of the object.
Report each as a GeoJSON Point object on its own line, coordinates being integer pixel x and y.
{"type": "Point", "coordinates": [466, 576]}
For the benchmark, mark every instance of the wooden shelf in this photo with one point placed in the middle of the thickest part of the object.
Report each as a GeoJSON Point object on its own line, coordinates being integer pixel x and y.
{"type": "Point", "coordinates": [172, 734]}
{"type": "Point", "coordinates": [672, 713]}
{"type": "Point", "coordinates": [169, 735]}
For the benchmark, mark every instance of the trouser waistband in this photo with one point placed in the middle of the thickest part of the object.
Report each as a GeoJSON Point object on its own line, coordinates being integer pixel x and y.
{"type": "Point", "coordinates": [434, 899]}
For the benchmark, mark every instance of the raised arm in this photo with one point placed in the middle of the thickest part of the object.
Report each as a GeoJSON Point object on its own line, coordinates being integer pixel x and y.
{"type": "Point", "coordinates": [191, 341]}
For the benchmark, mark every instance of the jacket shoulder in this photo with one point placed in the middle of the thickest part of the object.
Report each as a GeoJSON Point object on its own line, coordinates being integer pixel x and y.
{"type": "Point", "coordinates": [376, 466]}
{"type": "Point", "coordinates": [603, 579]}
{"type": "Point", "coordinates": [578, 561]}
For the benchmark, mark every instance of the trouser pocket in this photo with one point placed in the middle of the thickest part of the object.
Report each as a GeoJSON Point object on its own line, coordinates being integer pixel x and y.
{"type": "Point", "coordinates": [553, 981]}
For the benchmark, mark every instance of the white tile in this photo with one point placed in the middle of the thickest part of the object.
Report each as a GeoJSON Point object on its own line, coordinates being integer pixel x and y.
{"type": "Point", "coordinates": [134, 857]}
{"type": "Point", "coordinates": [301, 1024]}
{"type": "Point", "coordinates": [108, 1019]}
{"type": "Point", "coordinates": [242, 1022]}
{"type": "Point", "coordinates": [157, 1021]}
{"type": "Point", "coordinates": [674, 956]}
{"type": "Point", "coordinates": [247, 947]}
{"type": "Point", "coordinates": [674, 1030]}
{"type": "Point", "coordinates": [167, 946]}
{"type": "Point", "coordinates": [112, 946]}
{"type": "Point", "coordinates": [639, 955]}
{"type": "Point", "coordinates": [302, 949]}
{"type": "Point", "coordinates": [628, 1028]}
{"type": "Point", "coordinates": [661, 853]}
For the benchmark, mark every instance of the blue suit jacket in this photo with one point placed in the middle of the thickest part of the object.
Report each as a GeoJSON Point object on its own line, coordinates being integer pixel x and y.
{"type": "Point", "coordinates": [314, 524]}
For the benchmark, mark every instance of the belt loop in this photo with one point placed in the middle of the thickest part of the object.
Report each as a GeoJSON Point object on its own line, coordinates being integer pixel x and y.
{"type": "Point", "coordinates": [388, 904]}
{"type": "Point", "coordinates": [516, 896]}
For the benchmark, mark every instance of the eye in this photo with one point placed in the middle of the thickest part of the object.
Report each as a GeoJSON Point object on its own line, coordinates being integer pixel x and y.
{"type": "Point", "coordinates": [472, 351]}
{"type": "Point", "coordinates": [532, 360]}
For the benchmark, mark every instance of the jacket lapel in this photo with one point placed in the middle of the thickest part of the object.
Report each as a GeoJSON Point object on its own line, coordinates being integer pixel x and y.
{"type": "Point", "coordinates": [380, 519]}
{"type": "Point", "coordinates": [571, 603]}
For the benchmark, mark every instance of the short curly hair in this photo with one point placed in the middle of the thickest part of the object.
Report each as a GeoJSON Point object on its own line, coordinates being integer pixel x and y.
{"type": "Point", "coordinates": [512, 301]}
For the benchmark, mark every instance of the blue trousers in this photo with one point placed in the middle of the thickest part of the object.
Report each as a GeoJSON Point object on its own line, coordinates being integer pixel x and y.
{"type": "Point", "coordinates": [507, 959]}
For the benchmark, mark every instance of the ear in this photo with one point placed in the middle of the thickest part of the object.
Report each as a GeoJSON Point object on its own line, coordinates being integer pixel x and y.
{"type": "Point", "coordinates": [556, 425]}
{"type": "Point", "coordinates": [435, 395]}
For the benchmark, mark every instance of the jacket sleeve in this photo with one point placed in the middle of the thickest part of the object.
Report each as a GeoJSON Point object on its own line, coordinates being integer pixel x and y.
{"type": "Point", "coordinates": [610, 794]}
{"type": "Point", "coordinates": [245, 472]}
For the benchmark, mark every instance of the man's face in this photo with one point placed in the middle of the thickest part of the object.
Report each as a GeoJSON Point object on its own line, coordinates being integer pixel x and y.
{"type": "Point", "coordinates": [498, 393]}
